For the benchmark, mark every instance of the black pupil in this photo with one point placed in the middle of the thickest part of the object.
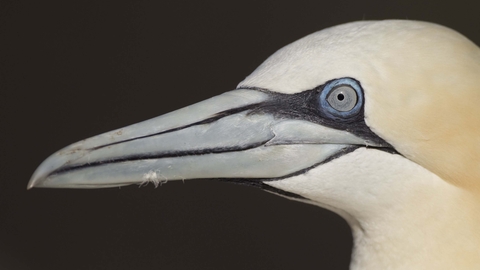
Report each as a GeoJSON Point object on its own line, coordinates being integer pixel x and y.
{"type": "Point", "coordinates": [340, 97]}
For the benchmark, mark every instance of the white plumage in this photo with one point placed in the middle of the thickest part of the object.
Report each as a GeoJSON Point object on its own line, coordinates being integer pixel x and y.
{"type": "Point", "coordinates": [401, 164]}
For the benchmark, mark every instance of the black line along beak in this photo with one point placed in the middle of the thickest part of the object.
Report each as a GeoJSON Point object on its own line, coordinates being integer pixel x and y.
{"type": "Point", "coordinates": [222, 137]}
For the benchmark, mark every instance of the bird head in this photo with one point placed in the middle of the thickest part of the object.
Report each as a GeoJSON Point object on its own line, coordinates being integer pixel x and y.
{"type": "Point", "coordinates": [339, 118]}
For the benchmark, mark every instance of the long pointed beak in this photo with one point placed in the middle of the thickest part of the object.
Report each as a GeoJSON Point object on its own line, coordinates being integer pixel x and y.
{"type": "Point", "coordinates": [221, 137]}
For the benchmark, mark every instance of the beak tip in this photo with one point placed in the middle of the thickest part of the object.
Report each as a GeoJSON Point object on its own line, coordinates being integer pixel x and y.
{"type": "Point", "coordinates": [43, 171]}
{"type": "Point", "coordinates": [39, 176]}
{"type": "Point", "coordinates": [34, 182]}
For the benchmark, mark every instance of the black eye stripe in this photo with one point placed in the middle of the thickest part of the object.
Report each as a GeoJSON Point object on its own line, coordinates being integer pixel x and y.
{"type": "Point", "coordinates": [305, 106]}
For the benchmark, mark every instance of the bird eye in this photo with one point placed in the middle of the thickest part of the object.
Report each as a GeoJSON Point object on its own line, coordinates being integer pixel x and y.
{"type": "Point", "coordinates": [341, 98]}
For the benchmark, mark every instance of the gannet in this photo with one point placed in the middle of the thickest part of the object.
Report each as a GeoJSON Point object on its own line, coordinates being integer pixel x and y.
{"type": "Point", "coordinates": [378, 121]}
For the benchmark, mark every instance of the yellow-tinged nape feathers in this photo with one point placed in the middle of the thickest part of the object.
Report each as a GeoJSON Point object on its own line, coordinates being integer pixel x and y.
{"type": "Point", "coordinates": [433, 115]}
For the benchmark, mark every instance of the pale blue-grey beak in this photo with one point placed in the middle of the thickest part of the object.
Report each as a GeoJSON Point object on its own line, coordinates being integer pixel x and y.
{"type": "Point", "coordinates": [222, 137]}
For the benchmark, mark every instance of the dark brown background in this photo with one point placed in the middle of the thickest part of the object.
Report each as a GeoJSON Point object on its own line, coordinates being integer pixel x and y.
{"type": "Point", "coordinates": [73, 69]}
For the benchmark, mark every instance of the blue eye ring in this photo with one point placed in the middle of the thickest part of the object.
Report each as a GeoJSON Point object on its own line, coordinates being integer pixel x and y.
{"type": "Point", "coordinates": [327, 108]}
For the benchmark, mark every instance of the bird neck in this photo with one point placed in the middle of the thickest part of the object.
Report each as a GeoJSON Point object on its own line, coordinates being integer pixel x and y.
{"type": "Point", "coordinates": [439, 229]}
{"type": "Point", "coordinates": [402, 215]}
